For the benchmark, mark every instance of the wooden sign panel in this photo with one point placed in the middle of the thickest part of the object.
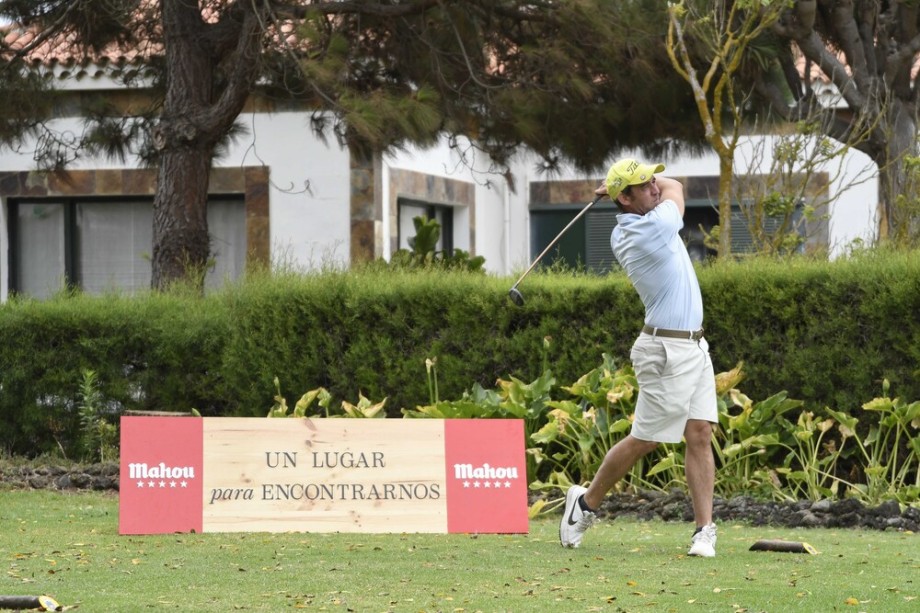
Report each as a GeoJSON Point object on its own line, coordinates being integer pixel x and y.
{"type": "Point", "coordinates": [186, 474]}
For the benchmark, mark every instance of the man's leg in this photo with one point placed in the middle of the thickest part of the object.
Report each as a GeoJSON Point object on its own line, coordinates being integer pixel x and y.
{"type": "Point", "coordinates": [581, 503]}
{"type": "Point", "coordinates": [700, 469]}
{"type": "Point", "coordinates": [617, 462]}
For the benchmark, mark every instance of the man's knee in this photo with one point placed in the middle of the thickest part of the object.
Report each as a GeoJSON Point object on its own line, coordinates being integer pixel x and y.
{"type": "Point", "coordinates": [638, 447]}
{"type": "Point", "coordinates": [698, 432]}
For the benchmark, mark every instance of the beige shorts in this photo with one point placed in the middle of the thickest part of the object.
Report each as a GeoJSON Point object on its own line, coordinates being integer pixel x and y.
{"type": "Point", "coordinates": [676, 383]}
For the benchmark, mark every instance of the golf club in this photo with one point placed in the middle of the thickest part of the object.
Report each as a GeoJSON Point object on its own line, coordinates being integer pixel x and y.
{"type": "Point", "coordinates": [514, 293]}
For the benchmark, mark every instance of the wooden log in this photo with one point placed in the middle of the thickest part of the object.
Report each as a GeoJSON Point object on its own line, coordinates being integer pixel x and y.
{"type": "Point", "coordinates": [784, 546]}
{"type": "Point", "coordinates": [45, 603]}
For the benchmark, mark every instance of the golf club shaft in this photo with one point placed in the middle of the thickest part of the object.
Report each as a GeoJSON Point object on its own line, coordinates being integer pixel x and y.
{"type": "Point", "coordinates": [556, 240]}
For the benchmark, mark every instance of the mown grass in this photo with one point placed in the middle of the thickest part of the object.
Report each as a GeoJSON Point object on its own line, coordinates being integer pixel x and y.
{"type": "Point", "coordinates": [67, 546]}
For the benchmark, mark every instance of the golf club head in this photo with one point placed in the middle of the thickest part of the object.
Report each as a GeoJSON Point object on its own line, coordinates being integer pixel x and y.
{"type": "Point", "coordinates": [516, 296]}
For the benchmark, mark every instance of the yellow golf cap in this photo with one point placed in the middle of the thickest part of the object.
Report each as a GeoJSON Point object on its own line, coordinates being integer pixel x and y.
{"type": "Point", "coordinates": [628, 172]}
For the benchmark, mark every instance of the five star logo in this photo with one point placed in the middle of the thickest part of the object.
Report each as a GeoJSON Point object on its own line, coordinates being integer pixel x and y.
{"type": "Point", "coordinates": [162, 484]}
{"type": "Point", "coordinates": [492, 484]}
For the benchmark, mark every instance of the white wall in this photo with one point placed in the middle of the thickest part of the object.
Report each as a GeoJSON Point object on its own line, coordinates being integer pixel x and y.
{"type": "Point", "coordinates": [310, 192]}
{"type": "Point", "coordinates": [309, 195]}
{"type": "Point", "coordinates": [854, 213]}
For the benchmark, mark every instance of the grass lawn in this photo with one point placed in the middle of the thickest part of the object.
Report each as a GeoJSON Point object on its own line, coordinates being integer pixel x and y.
{"type": "Point", "coordinates": [67, 546]}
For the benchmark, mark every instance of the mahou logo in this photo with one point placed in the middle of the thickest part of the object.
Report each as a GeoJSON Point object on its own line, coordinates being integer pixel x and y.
{"type": "Point", "coordinates": [160, 475]}
{"type": "Point", "coordinates": [485, 476]}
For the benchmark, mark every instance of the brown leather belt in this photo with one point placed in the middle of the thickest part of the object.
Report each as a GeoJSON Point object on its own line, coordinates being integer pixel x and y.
{"type": "Point", "coordinates": [690, 335]}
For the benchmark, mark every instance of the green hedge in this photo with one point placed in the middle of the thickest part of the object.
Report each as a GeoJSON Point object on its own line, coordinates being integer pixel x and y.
{"type": "Point", "coordinates": [827, 333]}
{"type": "Point", "coordinates": [156, 352]}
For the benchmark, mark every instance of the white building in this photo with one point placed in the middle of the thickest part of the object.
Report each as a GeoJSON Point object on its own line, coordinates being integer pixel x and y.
{"type": "Point", "coordinates": [282, 196]}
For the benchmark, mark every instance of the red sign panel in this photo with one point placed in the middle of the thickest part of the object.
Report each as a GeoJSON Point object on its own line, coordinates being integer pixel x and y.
{"type": "Point", "coordinates": [486, 476]}
{"type": "Point", "coordinates": [160, 485]}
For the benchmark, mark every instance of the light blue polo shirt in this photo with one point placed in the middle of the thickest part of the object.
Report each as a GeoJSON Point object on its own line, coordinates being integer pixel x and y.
{"type": "Point", "coordinates": [655, 259]}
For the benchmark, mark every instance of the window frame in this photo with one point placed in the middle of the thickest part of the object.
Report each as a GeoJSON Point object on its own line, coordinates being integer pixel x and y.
{"type": "Point", "coordinates": [72, 277]}
{"type": "Point", "coordinates": [431, 208]}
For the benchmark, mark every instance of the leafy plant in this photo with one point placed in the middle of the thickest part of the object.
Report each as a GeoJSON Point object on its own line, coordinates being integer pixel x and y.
{"type": "Point", "coordinates": [748, 435]}
{"type": "Point", "coordinates": [758, 449]}
{"type": "Point", "coordinates": [890, 450]}
{"type": "Point", "coordinates": [280, 406]}
{"type": "Point", "coordinates": [809, 466]}
{"type": "Point", "coordinates": [98, 436]}
{"type": "Point", "coordinates": [477, 402]}
{"type": "Point", "coordinates": [364, 407]}
{"type": "Point", "coordinates": [579, 431]}
{"type": "Point", "coordinates": [424, 252]}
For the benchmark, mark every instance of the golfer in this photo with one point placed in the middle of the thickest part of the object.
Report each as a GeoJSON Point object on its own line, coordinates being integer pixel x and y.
{"type": "Point", "coordinates": [677, 395]}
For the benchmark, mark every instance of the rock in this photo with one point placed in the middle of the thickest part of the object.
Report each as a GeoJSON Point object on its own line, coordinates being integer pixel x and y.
{"type": "Point", "coordinates": [808, 519]}
{"type": "Point", "coordinates": [847, 505]}
{"type": "Point", "coordinates": [889, 508]}
{"type": "Point", "coordinates": [846, 513]}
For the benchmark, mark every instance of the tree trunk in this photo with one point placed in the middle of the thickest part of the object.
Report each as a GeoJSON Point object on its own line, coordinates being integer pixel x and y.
{"type": "Point", "coordinates": [181, 244]}
{"type": "Point", "coordinates": [726, 168]}
{"type": "Point", "coordinates": [897, 185]}
{"type": "Point", "coordinates": [211, 70]}
{"type": "Point", "coordinates": [180, 225]}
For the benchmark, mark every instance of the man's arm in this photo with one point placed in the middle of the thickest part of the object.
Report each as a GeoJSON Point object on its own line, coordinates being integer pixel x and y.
{"type": "Point", "coordinates": [671, 189]}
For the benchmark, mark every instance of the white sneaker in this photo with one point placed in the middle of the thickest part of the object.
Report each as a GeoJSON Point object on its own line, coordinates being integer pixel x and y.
{"type": "Point", "coordinates": [703, 543]}
{"type": "Point", "coordinates": [574, 521]}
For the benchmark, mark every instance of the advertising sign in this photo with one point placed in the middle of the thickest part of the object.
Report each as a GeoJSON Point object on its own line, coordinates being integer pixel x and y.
{"type": "Point", "coordinates": [222, 474]}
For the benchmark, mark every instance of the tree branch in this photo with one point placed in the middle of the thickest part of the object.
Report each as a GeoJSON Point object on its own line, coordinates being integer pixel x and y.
{"type": "Point", "coordinates": [844, 24]}
{"type": "Point", "coordinates": [814, 49]}
{"type": "Point", "coordinates": [243, 67]}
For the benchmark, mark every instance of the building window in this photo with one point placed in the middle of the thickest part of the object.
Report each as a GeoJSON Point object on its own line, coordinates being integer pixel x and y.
{"type": "Point", "coordinates": [699, 218]}
{"type": "Point", "coordinates": [103, 245]}
{"type": "Point", "coordinates": [410, 209]}
{"type": "Point", "coordinates": [584, 246]}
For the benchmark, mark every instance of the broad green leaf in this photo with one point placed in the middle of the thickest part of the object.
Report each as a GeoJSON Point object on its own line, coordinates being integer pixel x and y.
{"type": "Point", "coordinates": [586, 441]}
{"type": "Point", "coordinates": [662, 465]}
{"type": "Point", "coordinates": [878, 404]}
{"type": "Point", "coordinates": [847, 422]}
{"type": "Point", "coordinates": [547, 434]}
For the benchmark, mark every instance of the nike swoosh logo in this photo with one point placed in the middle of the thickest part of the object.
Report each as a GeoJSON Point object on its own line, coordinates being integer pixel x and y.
{"type": "Point", "coordinates": [571, 513]}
